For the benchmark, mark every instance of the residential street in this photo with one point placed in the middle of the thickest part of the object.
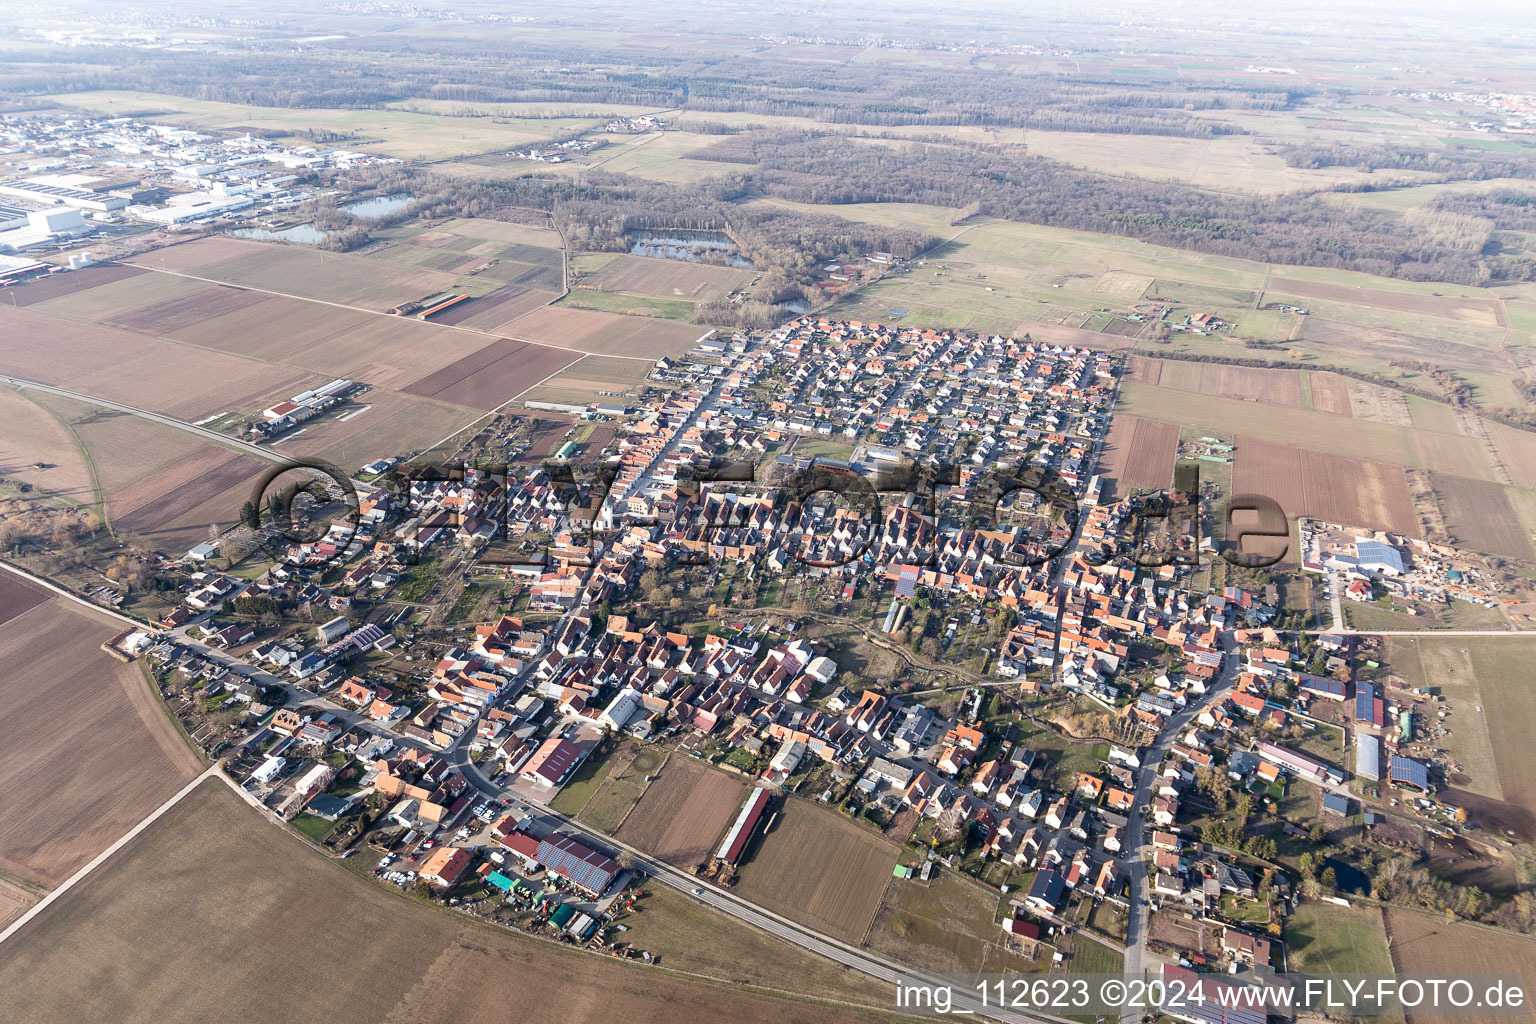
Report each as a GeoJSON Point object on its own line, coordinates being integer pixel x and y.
{"type": "Point", "coordinates": [1137, 959]}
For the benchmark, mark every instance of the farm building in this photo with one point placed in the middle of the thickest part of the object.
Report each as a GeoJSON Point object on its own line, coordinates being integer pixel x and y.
{"type": "Point", "coordinates": [741, 831]}
{"type": "Point", "coordinates": [1299, 764]}
{"type": "Point", "coordinates": [565, 857]}
{"type": "Point", "coordinates": [1369, 707]}
{"type": "Point", "coordinates": [1321, 686]}
{"type": "Point", "coordinates": [1405, 771]}
{"type": "Point", "coordinates": [1367, 756]}
{"type": "Point", "coordinates": [333, 630]}
{"type": "Point", "coordinates": [1374, 556]}
{"type": "Point", "coordinates": [580, 864]}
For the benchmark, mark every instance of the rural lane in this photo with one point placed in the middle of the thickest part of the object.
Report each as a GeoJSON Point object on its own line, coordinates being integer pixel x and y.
{"type": "Point", "coordinates": [161, 418]}
{"type": "Point", "coordinates": [102, 857]}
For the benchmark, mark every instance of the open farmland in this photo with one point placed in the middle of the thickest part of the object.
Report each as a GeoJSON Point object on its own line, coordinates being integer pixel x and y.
{"type": "Point", "coordinates": [491, 310]}
{"type": "Point", "coordinates": [1355, 438]}
{"type": "Point", "coordinates": [684, 812]}
{"type": "Point", "coordinates": [493, 375]}
{"type": "Point", "coordinates": [692, 936]}
{"type": "Point", "coordinates": [662, 278]}
{"type": "Point", "coordinates": [194, 307]}
{"type": "Point", "coordinates": [18, 595]}
{"type": "Point", "coordinates": [90, 749]}
{"type": "Point", "coordinates": [485, 230]}
{"type": "Point", "coordinates": [1469, 309]}
{"type": "Point", "coordinates": [1138, 454]}
{"type": "Point", "coordinates": [1330, 393]}
{"type": "Point", "coordinates": [263, 906]}
{"type": "Point", "coordinates": [34, 435]}
{"type": "Point", "coordinates": [384, 423]}
{"type": "Point", "coordinates": [179, 380]}
{"type": "Point", "coordinates": [1454, 453]}
{"type": "Point", "coordinates": [1516, 451]}
{"type": "Point", "coordinates": [333, 341]}
{"type": "Point", "coordinates": [472, 259]}
{"type": "Point", "coordinates": [1143, 370]}
{"type": "Point", "coordinates": [307, 273]}
{"type": "Point", "coordinates": [1479, 516]}
{"type": "Point", "coordinates": [1501, 667]}
{"type": "Point", "coordinates": [1252, 384]}
{"type": "Point", "coordinates": [1491, 745]}
{"type": "Point", "coordinates": [70, 286]}
{"type": "Point", "coordinates": [174, 508]}
{"type": "Point", "coordinates": [820, 868]}
{"type": "Point", "coordinates": [15, 900]}
{"type": "Point", "coordinates": [164, 485]}
{"type": "Point", "coordinates": [949, 925]}
{"type": "Point", "coordinates": [1423, 944]}
{"type": "Point", "coordinates": [118, 296]}
{"type": "Point", "coordinates": [1352, 492]}
{"type": "Point", "coordinates": [606, 333]}
{"type": "Point", "coordinates": [592, 379]}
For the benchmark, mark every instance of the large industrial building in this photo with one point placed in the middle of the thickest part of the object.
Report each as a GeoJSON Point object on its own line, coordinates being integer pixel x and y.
{"type": "Point", "coordinates": [47, 193]}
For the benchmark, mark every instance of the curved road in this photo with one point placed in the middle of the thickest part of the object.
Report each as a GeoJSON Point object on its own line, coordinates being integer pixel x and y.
{"type": "Point", "coordinates": [729, 903]}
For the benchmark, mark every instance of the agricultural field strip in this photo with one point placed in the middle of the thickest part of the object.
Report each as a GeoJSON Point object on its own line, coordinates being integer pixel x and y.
{"type": "Point", "coordinates": [105, 855]}
{"type": "Point", "coordinates": [776, 924]}
{"type": "Point", "coordinates": [155, 417]}
{"type": "Point", "coordinates": [370, 312]}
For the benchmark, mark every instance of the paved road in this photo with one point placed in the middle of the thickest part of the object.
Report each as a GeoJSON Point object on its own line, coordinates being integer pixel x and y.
{"type": "Point", "coordinates": [733, 905]}
{"type": "Point", "coordinates": [169, 421]}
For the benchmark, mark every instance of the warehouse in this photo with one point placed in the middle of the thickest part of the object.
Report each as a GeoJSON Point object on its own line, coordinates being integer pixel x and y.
{"type": "Point", "coordinates": [60, 195]}
{"type": "Point", "coordinates": [1368, 706]}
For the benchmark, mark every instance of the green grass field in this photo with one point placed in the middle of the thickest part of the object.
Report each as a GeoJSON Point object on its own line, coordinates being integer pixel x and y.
{"type": "Point", "coordinates": [622, 789]}
{"type": "Point", "coordinates": [1325, 939]}
{"type": "Point", "coordinates": [631, 305]}
{"type": "Point", "coordinates": [573, 796]}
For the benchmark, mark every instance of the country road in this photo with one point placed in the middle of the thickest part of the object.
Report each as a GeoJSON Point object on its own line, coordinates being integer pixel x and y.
{"type": "Point", "coordinates": [155, 417]}
{"type": "Point", "coordinates": [965, 1001]}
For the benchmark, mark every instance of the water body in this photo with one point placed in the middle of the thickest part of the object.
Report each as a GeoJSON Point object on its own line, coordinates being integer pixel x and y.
{"type": "Point", "coordinates": [691, 246]}
{"type": "Point", "coordinates": [308, 234]}
{"type": "Point", "coordinates": [304, 234]}
{"type": "Point", "coordinates": [379, 206]}
{"type": "Point", "coordinates": [1349, 877]}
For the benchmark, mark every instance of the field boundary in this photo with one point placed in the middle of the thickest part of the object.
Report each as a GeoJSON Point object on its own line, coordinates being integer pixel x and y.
{"type": "Point", "coordinates": [105, 855]}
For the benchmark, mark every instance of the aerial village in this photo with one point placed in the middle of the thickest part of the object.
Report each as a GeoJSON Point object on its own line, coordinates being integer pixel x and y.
{"type": "Point", "coordinates": [1231, 743]}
